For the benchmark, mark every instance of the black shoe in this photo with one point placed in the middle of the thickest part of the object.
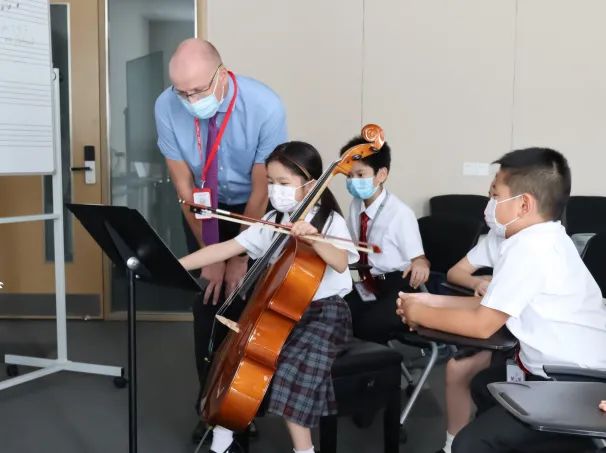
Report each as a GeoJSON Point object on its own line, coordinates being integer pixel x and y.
{"type": "Point", "coordinates": [233, 448]}
{"type": "Point", "coordinates": [198, 433]}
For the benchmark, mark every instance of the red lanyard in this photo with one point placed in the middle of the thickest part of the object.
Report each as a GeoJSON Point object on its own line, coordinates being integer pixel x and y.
{"type": "Point", "coordinates": [210, 157]}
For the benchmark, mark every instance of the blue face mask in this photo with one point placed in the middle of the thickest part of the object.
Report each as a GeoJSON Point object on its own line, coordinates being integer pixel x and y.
{"type": "Point", "coordinates": [362, 188]}
{"type": "Point", "coordinates": [204, 108]}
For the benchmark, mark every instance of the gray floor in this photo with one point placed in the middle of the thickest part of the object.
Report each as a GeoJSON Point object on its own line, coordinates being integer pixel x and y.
{"type": "Point", "coordinates": [77, 413]}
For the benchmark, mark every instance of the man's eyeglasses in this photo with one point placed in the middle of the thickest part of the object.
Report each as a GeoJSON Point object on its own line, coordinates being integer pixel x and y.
{"type": "Point", "coordinates": [196, 95]}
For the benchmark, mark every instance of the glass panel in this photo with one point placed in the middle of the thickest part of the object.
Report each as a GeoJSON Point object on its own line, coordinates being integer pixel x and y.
{"type": "Point", "coordinates": [143, 38]}
{"type": "Point", "coordinates": [59, 15]}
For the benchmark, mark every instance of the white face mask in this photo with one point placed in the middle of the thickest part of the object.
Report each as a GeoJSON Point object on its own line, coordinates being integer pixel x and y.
{"type": "Point", "coordinates": [282, 198]}
{"type": "Point", "coordinates": [490, 216]}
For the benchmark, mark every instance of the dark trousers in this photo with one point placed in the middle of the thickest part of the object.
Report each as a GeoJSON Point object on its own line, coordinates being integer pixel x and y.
{"type": "Point", "coordinates": [377, 320]}
{"type": "Point", "coordinates": [204, 315]}
{"type": "Point", "coordinates": [496, 431]}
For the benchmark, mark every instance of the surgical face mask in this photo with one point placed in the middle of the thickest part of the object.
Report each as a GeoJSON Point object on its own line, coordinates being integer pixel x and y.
{"type": "Point", "coordinates": [362, 188]}
{"type": "Point", "coordinates": [206, 107]}
{"type": "Point", "coordinates": [490, 216]}
{"type": "Point", "coordinates": [282, 198]}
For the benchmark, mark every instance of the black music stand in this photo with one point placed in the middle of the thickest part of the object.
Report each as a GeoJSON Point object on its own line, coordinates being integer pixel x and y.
{"type": "Point", "coordinates": [132, 244]}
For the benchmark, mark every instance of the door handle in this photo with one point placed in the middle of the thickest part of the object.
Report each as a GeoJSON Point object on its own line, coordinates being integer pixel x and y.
{"type": "Point", "coordinates": [89, 169]}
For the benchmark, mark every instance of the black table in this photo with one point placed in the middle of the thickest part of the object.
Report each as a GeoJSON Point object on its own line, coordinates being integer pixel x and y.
{"type": "Point", "coordinates": [558, 407]}
{"type": "Point", "coordinates": [502, 340]}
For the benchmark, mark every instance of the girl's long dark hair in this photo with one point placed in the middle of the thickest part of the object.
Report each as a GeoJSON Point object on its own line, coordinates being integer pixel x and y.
{"type": "Point", "coordinates": [305, 160]}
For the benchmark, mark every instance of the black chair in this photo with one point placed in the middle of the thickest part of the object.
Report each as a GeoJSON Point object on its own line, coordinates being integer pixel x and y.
{"type": "Point", "coordinates": [460, 206]}
{"type": "Point", "coordinates": [366, 377]}
{"type": "Point", "coordinates": [446, 240]}
{"type": "Point", "coordinates": [429, 350]}
{"type": "Point", "coordinates": [593, 257]}
{"type": "Point", "coordinates": [585, 214]}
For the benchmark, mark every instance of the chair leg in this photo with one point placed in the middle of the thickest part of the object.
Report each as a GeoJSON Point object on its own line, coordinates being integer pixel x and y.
{"type": "Point", "coordinates": [328, 434]}
{"type": "Point", "coordinates": [417, 390]}
{"type": "Point", "coordinates": [405, 371]}
{"type": "Point", "coordinates": [391, 424]}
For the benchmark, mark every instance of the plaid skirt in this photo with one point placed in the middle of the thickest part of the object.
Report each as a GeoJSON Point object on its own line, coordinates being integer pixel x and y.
{"type": "Point", "coordinates": [301, 389]}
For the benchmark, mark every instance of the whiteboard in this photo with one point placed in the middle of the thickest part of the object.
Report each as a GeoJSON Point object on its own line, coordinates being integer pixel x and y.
{"type": "Point", "coordinates": [26, 123]}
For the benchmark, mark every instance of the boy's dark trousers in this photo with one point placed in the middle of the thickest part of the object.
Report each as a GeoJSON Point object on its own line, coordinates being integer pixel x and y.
{"type": "Point", "coordinates": [377, 320]}
{"type": "Point", "coordinates": [496, 431]}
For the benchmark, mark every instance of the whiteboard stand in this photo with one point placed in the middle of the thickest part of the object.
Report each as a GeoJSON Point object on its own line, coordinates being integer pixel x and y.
{"type": "Point", "coordinates": [61, 363]}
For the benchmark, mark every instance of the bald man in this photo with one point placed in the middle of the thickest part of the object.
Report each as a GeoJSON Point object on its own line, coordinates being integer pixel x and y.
{"type": "Point", "coordinates": [189, 116]}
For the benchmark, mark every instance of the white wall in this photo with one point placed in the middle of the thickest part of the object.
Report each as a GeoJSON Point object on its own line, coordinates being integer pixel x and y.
{"type": "Point", "coordinates": [309, 52]}
{"type": "Point", "coordinates": [450, 82]}
{"type": "Point", "coordinates": [560, 96]}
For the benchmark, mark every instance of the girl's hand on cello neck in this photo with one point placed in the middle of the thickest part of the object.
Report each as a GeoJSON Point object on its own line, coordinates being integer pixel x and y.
{"type": "Point", "coordinates": [333, 256]}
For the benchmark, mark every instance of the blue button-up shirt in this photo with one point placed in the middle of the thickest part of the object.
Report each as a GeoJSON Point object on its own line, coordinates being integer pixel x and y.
{"type": "Point", "coordinates": [257, 125]}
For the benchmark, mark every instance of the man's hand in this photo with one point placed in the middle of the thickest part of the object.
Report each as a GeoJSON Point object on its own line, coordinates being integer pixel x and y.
{"type": "Point", "coordinates": [407, 303]}
{"type": "Point", "coordinates": [418, 270]}
{"type": "Point", "coordinates": [234, 272]}
{"type": "Point", "coordinates": [603, 405]}
{"type": "Point", "coordinates": [214, 273]}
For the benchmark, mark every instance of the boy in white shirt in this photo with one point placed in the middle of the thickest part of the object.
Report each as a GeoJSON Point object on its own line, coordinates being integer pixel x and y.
{"type": "Point", "coordinates": [379, 217]}
{"type": "Point", "coordinates": [468, 362]}
{"type": "Point", "coordinates": [540, 289]}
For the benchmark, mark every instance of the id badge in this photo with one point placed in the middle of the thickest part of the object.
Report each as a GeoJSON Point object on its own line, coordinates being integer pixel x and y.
{"type": "Point", "coordinates": [202, 196]}
{"type": "Point", "coordinates": [514, 373]}
{"type": "Point", "coordinates": [365, 295]}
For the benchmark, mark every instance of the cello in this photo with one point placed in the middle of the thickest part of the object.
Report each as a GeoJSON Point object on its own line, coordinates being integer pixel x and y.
{"type": "Point", "coordinates": [244, 364]}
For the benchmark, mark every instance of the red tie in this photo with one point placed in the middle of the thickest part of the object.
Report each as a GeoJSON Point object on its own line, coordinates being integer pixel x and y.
{"type": "Point", "coordinates": [364, 273]}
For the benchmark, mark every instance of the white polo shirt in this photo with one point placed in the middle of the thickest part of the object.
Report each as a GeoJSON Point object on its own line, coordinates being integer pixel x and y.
{"type": "Point", "coordinates": [555, 305]}
{"type": "Point", "coordinates": [393, 227]}
{"type": "Point", "coordinates": [486, 251]}
{"type": "Point", "coordinates": [256, 240]}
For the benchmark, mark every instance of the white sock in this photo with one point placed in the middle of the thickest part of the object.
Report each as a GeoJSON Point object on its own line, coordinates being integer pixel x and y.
{"type": "Point", "coordinates": [309, 450]}
{"type": "Point", "coordinates": [222, 439]}
{"type": "Point", "coordinates": [447, 446]}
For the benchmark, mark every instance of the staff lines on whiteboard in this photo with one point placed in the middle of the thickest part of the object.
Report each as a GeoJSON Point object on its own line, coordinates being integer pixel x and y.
{"type": "Point", "coordinates": [18, 96]}
{"type": "Point", "coordinates": [24, 19]}
{"type": "Point", "coordinates": [37, 13]}
{"type": "Point", "coordinates": [20, 83]}
{"type": "Point", "coordinates": [24, 145]}
{"type": "Point", "coordinates": [30, 141]}
{"type": "Point", "coordinates": [31, 134]}
{"type": "Point", "coordinates": [24, 62]}
{"type": "Point", "coordinates": [43, 45]}
{"type": "Point", "coordinates": [32, 51]}
{"type": "Point", "coordinates": [20, 89]}
{"type": "Point", "coordinates": [38, 100]}
{"type": "Point", "coordinates": [32, 104]}
{"type": "Point", "coordinates": [25, 58]}
{"type": "Point", "coordinates": [46, 126]}
{"type": "Point", "coordinates": [31, 56]}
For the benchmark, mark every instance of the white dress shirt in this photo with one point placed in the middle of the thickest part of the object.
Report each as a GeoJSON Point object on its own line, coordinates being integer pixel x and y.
{"type": "Point", "coordinates": [555, 305]}
{"type": "Point", "coordinates": [486, 251]}
{"type": "Point", "coordinates": [392, 226]}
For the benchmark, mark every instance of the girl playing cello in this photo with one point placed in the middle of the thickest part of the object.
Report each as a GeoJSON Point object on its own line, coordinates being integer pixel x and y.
{"type": "Point", "coordinates": [302, 389]}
